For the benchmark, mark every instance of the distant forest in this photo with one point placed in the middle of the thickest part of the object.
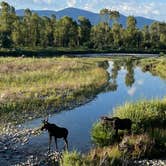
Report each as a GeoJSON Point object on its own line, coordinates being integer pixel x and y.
{"type": "Point", "coordinates": [33, 31]}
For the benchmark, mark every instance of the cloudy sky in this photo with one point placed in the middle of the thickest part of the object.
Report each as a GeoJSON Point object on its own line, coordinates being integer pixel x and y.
{"type": "Point", "coordinates": [155, 9]}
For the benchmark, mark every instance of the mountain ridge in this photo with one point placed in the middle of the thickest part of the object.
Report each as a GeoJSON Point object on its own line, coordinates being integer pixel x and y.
{"type": "Point", "coordinates": [93, 17]}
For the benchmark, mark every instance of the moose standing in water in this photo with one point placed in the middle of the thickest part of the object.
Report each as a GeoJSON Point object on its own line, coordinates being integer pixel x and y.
{"type": "Point", "coordinates": [117, 123]}
{"type": "Point", "coordinates": [56, 132]}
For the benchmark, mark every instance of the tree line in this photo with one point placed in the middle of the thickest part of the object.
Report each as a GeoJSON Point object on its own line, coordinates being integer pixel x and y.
{"type": "Point", "coordinates": [31, 30]}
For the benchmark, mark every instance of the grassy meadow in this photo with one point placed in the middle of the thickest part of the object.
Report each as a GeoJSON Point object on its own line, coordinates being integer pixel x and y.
{"type": "Point", "coordinates": [33, 86]}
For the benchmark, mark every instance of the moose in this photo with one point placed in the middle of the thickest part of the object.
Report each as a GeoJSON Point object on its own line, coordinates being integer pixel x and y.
{"type": "Point", "coordinates": [56, 132]}
{"type": "Point", "coordinates": [117, 123]}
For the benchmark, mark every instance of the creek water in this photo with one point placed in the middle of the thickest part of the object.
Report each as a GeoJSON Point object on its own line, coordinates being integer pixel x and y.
{"type": "Point", "coordinates": [127, 84]}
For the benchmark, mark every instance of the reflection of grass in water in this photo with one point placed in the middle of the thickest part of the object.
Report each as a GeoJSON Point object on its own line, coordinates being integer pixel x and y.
{"type": "Point", "coordinates": [31, 85]}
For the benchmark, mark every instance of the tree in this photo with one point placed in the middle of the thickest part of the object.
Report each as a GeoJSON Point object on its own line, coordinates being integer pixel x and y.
{"type": "Point", "coordinates": [146, 43]}
{"type": "Point", "coordinates": [105, 15]}
{"type": "Point", "coordinates": [27, 27]}
{"type": "Point", "coordinates": [17, 33]}
{"type": "Point", "coordinates": [84, 30]}
{"type": "Point", "coordinates": [114, 15]}
{"type": "Point", "coordinates": [130, 33]}
{"type": "Point", "coordinates": [66, 32]}
{"type": "Point", "coordinates": [35, 29]}
{"type": "Point", "coordinates": [101, 36]}
{"type": "Point", "coordinates": [5, 40]}
{"type": "Point", "coordinates": [117, 35]}
{"type": "Point", "coordinates": [7, 16]}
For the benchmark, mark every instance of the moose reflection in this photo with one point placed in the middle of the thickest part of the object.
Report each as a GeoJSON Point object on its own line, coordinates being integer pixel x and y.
{"type": "Point", "coordinates": [56, 132]}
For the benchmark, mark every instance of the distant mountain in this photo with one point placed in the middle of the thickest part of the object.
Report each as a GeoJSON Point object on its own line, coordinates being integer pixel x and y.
{"type": "Point", "coordinates": [93, 17]}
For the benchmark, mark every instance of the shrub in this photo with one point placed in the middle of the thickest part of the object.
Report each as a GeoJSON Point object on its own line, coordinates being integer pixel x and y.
{"type": "Point", "coordinates": [159, 135]}
{"type": "Point", "coordinates": [102, 136]}
{"type": "Point", "coordinates": [71, 159]}
{"type": "Point", "coordinates": [144, 114]}
{"type": "Point", "coordinates": [161, 54]}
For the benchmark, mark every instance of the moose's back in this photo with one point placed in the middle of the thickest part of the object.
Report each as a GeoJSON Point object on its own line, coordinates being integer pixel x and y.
{"type": "Point", "coordinates": [58, 132]}
{"type": "Point", "coordinates": [122, 123]}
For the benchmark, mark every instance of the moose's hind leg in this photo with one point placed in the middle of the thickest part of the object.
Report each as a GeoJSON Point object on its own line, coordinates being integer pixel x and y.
{"type": "Point", "coordinates": [49, 144]}
{"type": "Point", "coordinates": [56, 143]}
{"type": "Point", "coordinates": [66, 143]}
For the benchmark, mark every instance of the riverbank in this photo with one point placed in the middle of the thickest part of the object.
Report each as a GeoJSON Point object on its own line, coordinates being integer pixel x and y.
{"type": "Point", "coordinates": [157, 66]}
{"type": "Point", "coordinates": [52, 52]}
{"type": "Point", "coordinates": [31, 87]}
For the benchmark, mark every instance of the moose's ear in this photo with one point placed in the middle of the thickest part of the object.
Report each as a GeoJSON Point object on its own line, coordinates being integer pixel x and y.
{"type": "Point", "coordinates": [43, 121]}
{"type": "Point", "coordinates": [46, 119]}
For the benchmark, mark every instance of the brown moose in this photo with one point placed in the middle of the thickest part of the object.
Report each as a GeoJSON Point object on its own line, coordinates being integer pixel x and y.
{"type": "Point", "coordinates": [117, 123]}
{"type": "Point", "coordinates": [56, 132]}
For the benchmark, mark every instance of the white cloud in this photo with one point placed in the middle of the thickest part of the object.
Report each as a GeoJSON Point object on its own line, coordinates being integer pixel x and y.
{"type": "Point", "coordinates": [43, 1]}
{"type": "Point", "coordinates": [140, 82]}
{"type": "Point", "coordinates": [88, 6]}
{"type": "Point", "coordinates": [71, 3]}
{"type": "Point", "coordinates": [132, 91]}
{"type": "Point", "coordinates": [145, 9]}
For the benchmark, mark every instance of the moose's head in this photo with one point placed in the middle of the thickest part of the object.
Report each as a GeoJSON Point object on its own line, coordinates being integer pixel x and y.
{"type": "Point", "coordinates": [45, 124]}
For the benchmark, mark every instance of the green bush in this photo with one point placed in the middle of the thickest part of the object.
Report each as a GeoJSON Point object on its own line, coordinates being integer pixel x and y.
{"type": "Point", "coordinates": [149, 119]}
{"type": "Point", "coordinates": [159, 135]}
{"type": "Point", "coordinates": [161, 54]}
{"type": "Point", "coordinates": [101, 135]}
{"type": "Point", "coordinates": [71, 159]}
{"type": "Point", "coordinates": [144, 114]}
{"type": "Point", "coordinates": [137, 146]}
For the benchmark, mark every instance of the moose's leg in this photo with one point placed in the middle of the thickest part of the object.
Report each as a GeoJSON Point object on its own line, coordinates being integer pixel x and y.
{"type": "Point", "coordinates": [50, 139]}
{"type": "Point", "coordinates": [66, 143]}
{"type": "Point", "coordinates": [129, 131]}
{"type": "Point", "coordinates": [116, 133]}
{"type": "Point", "coordinates": [56, 143]}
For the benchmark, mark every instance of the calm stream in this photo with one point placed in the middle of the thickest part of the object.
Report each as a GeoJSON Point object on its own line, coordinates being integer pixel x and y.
{"type": "Point", "coordinates": [79, 121]}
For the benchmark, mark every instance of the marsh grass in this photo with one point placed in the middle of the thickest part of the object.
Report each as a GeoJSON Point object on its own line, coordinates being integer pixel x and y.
{"type": "Point", "coordinates": [34, 85]}
{"type": "Point", "coordinates": [102, 136]}
{"type": "Point", "coordinates": [71, 158]}
{"type": "Point", "coordinates": [148, 137]}
{"type": "Point", "coordinates": [144, 114]}
{"type": "Point", "coordinates": [157, 66]}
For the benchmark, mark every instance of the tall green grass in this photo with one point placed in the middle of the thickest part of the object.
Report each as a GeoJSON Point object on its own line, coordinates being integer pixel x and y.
{"type": "Point", "coordinates": [148, 123]}
{"type": "Point", "coordinates": [144, 114]}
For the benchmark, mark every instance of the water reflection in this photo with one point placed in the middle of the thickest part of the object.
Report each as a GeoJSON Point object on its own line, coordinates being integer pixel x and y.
{"type": "Point", "coordinates": [112, 85]}
{"type": "Point", "coordinates": [129, 79]}
{"type": "Point", "coordinates": [115, 67]}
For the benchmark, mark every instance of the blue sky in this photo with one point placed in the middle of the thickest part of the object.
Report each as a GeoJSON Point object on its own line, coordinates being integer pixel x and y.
{"type": "Point", "coordinates": [155, 9]}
